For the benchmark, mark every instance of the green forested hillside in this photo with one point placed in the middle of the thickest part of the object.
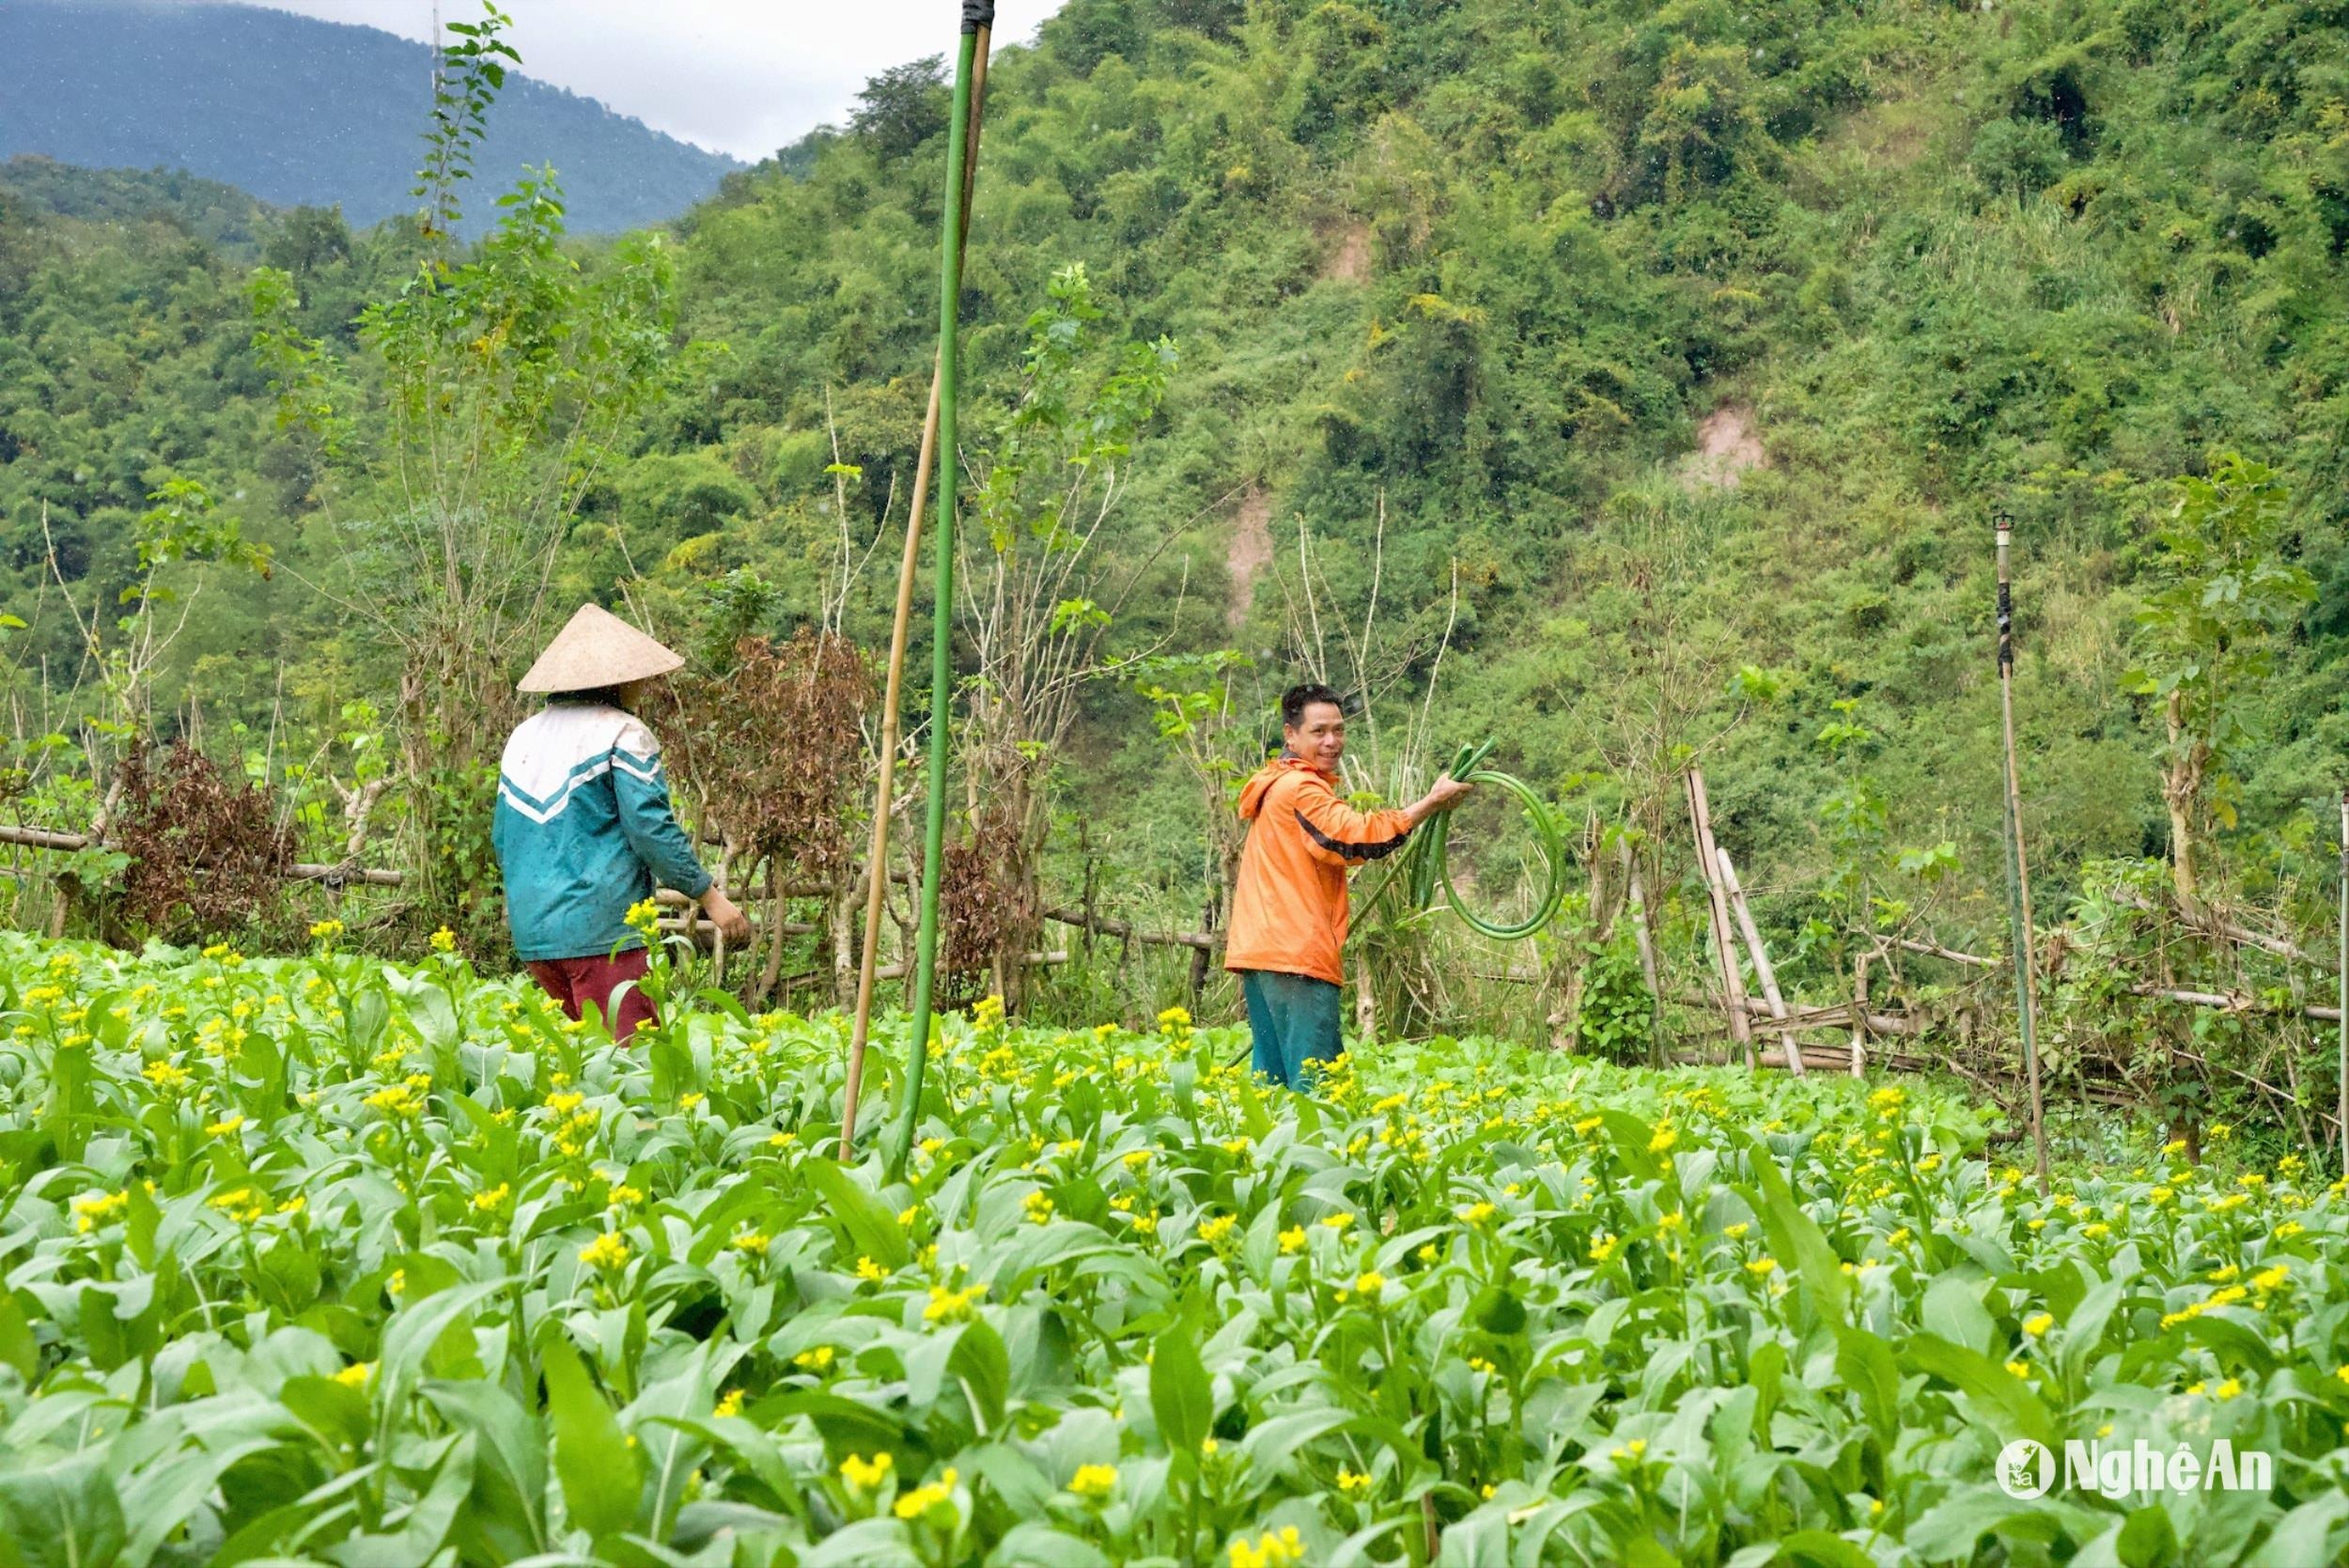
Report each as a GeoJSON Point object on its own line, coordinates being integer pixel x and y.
{"type": "Point", "coordinates": [125, 358]}
{"type": "Point", "coordinates": [297, 110]}
{"type": "Point", "coordinates": [228, 217]}
{"type": "Point", "coordinates": [1501, 264]}
{"type": "Point", "coordinates": [1465, 294]}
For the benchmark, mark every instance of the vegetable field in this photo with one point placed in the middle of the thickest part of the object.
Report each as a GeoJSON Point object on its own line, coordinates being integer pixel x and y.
{"type": "Point", "coordinates": [322, 1260]}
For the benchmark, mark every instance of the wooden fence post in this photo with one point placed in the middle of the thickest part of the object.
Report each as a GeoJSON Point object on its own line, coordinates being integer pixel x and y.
{"type": "Point", "coordinates": [1724, 941]}
{"type": "Point", "coordinates": [2018, 868]}
{"type": "Point", "coordinates": [1639, 925]}
{"type": "Point", "coordinates": [1860, 1016]}
{"type": "Point", "coordinates": [1761, 959]}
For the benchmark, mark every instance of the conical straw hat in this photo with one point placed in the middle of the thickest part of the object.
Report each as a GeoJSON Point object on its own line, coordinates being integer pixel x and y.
{"type": "Point", "coordinates": [596, 649]}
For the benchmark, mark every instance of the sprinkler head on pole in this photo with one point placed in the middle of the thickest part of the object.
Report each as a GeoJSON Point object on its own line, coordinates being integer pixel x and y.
{"type": "Point", "coordinates": [2003, 523]}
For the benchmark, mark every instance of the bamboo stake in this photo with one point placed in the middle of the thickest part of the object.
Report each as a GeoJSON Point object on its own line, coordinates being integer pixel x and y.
{"type": "Point", "coordinates": [692, 914]}
{"type": "Point", "coordinates": [2018, 874]}
{"type": "Point", "coordinates": [2343, 1064]}
{"type": "Point", "coordinates": [1202, 942]}
{"type": "Point", "coordinates": [2210, 923]}
{"type": "Point", "coordinates": [1762, 969]}
{"type": "Point", "coordinates": [1859, 1016]}
{"type": "Point", "coordinates": [300, 871]}
{"type": "Point", "coordinates": [1647, 961]}
{"type": "Point", "coordinates": [1835, 1016]}
{"type": "Point", "coordinates": [909, 571]}
{"type": "Point", "coordinates": [43, 838]}
{"type": "Point", "coordinates": [1972, 960]}
{"type": "Point", "coordinates": [2232, 1001]}
{"type": "Point", "coordinates": [1725, 945]}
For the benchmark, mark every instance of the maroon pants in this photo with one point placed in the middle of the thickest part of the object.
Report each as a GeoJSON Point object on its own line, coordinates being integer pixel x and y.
{"type": "Point", "coordinates": [576, 982]}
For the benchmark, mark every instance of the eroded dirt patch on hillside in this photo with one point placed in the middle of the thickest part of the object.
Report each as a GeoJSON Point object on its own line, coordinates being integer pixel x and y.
{"type": "Point", "coordinates": [1728, 446]}
{"type": "Point", "coordinates": [1350, 255]}
{"type": "Point", "coordinates": [1250, 551]}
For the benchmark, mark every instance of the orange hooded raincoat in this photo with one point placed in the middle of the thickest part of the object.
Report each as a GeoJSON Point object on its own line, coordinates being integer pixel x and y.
{"type": "Point", "coordinates": [1288, 912]}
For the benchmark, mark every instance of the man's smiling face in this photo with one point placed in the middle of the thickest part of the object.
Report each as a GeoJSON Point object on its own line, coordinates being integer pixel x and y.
{"type": "Point", "coordinates": [1318, 736]}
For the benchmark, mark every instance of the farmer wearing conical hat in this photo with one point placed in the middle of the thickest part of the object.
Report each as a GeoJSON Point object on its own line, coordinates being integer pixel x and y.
{"type": "Point", "coordinates": [585, 828]}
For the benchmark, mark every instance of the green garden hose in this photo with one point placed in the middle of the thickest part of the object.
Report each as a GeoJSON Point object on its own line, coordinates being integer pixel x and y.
{"type": "Point", "coordinates": [1429, 868]}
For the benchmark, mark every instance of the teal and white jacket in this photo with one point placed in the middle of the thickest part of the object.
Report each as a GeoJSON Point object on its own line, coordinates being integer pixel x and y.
{"type": "Point", "coordinates": [583, 829]}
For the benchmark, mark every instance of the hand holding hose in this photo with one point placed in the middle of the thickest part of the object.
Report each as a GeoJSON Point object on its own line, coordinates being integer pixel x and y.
{"type": "Point", "coordinates": [1427, 869]}
{"type": "Point", "coordinates": [1448, 792]}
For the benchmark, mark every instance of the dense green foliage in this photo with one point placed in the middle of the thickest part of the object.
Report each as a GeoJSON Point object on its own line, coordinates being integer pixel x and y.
{"type": "Point", "coordinates": [223, 216]}
{"type": "Point", "coordinates": [126, 358]}
{"type": "Point", "coordinates": [1627, 382]}
{"type": "Point", "coordinates": [301, 111]}
{"type": "Point", "coordinates": [1459, 291]}
{"type": "Point", "coordinates": [1494, 263]}
{"type": "Point", "coordinates": [322, 1258]}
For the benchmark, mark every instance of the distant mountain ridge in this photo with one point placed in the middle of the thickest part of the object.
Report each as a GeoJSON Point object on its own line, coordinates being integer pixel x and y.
{"type": "Point", "coordinates": [297, 111]}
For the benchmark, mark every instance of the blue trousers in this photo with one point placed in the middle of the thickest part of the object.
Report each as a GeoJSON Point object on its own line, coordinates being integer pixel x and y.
{"type": "Point", "coordinates": [1294, 1020]}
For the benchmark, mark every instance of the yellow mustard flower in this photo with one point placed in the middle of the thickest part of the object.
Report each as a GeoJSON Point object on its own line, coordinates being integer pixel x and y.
{"type": "Point", "coordinates": [608, 1252]}
{"type": "Point", "coordinates": [865, 1474]}
{"type": "Point", "coordinates": [923, 1498]}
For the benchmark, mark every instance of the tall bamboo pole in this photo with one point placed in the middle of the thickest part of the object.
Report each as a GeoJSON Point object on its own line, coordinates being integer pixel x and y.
{"type": "Point", "coordinates": [908, 569]}
{"type": "Point", "coordinates": [978, 16]}
{"type": "Point", "coordinates": [2017, 871]}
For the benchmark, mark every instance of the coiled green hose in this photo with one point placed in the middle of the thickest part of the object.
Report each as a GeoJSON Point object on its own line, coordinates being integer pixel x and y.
{"type": "Point", "coordinates": [1430, 870]}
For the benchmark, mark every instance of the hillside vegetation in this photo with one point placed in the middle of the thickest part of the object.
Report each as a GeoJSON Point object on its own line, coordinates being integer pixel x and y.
{"type": "Point", "coordinates": [1495, 271]}
{"type": "Point", "coordinates": [1500, 264]}
{"type": "Point", "coordinates": [1655, 374]}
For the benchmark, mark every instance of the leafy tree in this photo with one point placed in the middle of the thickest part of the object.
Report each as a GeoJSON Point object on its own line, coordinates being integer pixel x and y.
{"type": "Point", "coordinates": [496, 388]}
{"type": "Point", "coordinates": [1853, 820]}
{"type": "Point", "coordinates": [903, 107]}
{"type": "Point", "coordinates": [309, 239]}
{"type": "Point", "coordinates": [2224, 592]}
{"type": "Point", "coordinates": [183, 528]}
{"type": "Point", "coordinates": [1037, 586]}
{"type": "Point", "coordinates": [466, 76]}
{"type": "Point", "coordinates": [2017, 158]}
{"type": "Point", "coordinates": [1196, 715]}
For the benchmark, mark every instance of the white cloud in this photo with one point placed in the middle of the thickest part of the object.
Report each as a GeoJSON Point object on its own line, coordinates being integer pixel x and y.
{"type": "Point", "coordinates": [743, 76]}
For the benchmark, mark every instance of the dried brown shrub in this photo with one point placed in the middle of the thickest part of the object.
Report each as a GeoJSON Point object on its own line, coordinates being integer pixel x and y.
{"type": "Point", "coordinates": [774, 748]}
{"type": "Point", "coordinates": [208, 856]}
{"type": "Point", "coordinates": [987, 913]}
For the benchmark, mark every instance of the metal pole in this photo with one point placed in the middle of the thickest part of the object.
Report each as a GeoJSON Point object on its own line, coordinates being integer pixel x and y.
{"type": "Point", "coordinates": [908, 568]}
{"type": "Point", "coordinates": [2017, 870]}
{"type": "Point", "coordinates": [977, 15]}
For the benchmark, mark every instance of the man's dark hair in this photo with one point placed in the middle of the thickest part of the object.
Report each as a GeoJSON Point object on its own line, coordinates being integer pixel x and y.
{"type": "Point", "coordinates": [1298, 698]}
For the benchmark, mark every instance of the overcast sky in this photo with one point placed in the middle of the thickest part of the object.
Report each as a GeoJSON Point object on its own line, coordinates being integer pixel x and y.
{"type": "Point", "coordinates": [741, 76]}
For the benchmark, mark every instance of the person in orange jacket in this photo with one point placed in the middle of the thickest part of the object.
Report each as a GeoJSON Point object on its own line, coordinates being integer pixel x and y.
{"type": "Point", "coordinates": [1288, 910]}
